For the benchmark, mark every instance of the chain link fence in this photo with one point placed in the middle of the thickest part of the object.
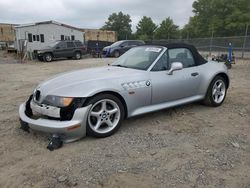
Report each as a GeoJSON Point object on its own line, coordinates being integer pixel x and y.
{"type": "Point", "coordinates": [215, 46]}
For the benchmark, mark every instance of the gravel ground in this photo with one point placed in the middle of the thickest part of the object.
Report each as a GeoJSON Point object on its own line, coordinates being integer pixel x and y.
{"type": "Point", "coordinates": [187, 146]}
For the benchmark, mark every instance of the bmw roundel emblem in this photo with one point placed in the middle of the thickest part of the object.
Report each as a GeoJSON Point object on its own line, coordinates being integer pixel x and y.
{"type": "Point", "coordinates": [147, 83]}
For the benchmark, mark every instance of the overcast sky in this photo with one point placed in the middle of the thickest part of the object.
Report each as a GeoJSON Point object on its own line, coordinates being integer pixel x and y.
{"type": "Point", "coordinates": [93, 13]}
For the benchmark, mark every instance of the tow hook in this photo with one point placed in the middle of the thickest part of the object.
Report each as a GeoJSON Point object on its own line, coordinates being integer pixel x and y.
{"type": "Point", "coordinates": [24, 126]}
{"type": "Point", "coordinates": [55, 142]}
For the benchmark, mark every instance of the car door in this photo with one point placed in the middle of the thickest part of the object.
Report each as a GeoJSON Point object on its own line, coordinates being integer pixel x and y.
{"type": "Point", "coordinates": [181, 84]}
{"type": "Point", "coordinates": [70, 49]}
{"type": "Point", "coordinates": [124, 47]}
{"type": "Point", "coordinates": [60, 49]}
{"type": "Point", "coordinates": [79, 46]}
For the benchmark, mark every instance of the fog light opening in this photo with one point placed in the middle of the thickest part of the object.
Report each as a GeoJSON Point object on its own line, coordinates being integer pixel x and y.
{"type": "Point", "coordinates": [74, 127]}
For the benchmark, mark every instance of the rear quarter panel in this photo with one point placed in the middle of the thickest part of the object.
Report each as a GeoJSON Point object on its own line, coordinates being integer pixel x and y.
{"type": "Point", "coordinates": [208, 72]}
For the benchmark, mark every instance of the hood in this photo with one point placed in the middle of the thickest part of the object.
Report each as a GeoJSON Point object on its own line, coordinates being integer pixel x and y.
{"type": "Point", "coordinates": [84, 83]}
{"type": "Point", "coordinates": [45, 49]}
{"type": "Point", "coordinates": [106, 47]}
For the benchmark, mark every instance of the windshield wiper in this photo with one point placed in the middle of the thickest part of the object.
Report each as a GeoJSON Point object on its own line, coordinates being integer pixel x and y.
{"type": "Point", "coordinates": [120, 66]}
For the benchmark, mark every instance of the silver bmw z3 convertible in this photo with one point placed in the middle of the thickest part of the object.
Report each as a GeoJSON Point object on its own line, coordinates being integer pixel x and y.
{"type": "Point", "coordinates": [145, 79]}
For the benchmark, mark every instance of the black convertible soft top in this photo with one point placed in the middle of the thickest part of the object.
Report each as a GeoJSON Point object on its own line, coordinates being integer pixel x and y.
{"type": "Point", "coordinates": [199, 60]}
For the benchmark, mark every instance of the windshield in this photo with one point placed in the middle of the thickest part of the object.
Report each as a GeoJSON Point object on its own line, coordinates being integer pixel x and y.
{"type": "Point", "coordinates": [139, 57]}
{"type": "Point", "coordinates": [53, 44]}
{"type": "Point", "coordinates": [116, 43]}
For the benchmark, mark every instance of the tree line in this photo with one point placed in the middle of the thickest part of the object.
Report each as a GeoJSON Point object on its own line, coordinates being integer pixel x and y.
{"type": "Point", "coordinates": [217, 18]}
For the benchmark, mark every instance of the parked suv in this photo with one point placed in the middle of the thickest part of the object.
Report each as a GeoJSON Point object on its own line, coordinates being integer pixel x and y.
{"type": "Point", "coordinates": [67, 48]}
{"type": "Point", "coordinates": [120, 47]}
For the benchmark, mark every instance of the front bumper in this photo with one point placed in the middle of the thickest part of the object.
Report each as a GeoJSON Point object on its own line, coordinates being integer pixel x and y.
{"type": "Point", "coordinates": [107, 53]}
{"type": "Point", "coordinates": [40, 54]}
{"type": "Point", "coordinates": [69, 131]}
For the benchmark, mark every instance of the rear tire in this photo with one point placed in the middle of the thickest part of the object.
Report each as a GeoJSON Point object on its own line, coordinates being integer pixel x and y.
{"type": "Point", "coordinates": [104, 116]}
{"type": "Point", "coordinates": [216, 92]}
{"type": "Point", "coordinates": [78, 55]}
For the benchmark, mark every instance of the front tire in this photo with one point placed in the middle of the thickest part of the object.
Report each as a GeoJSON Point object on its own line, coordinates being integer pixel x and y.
{"type": "Point", "coordinates": [47, 57]}
{"type": "Point", "coordinates": [216, 93]}
{"type": "Point", "coordinates": [117, 53]}
{"type": "Point", "coordinates": [105, 115]}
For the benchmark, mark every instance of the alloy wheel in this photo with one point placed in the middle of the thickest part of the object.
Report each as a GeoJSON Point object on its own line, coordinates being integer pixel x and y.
{"type": "Point", "coordinates": [78, 56]}
{"type": "Point", "coordinates": [218, 91]}
{"type": "Point", "coordinates": [104, 116]}
{"type": "Point", "coordinates": [48, 58]}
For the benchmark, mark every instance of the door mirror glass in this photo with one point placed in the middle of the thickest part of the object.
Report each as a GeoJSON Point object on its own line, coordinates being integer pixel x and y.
{"type": "Point", "coordinates": [58, 47]}
{"type": "Point", "coordinates": [174, 67]}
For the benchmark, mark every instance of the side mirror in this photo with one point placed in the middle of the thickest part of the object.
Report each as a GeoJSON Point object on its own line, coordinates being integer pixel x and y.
{"type": "Point", "coordinates": [174, 67]}
{"type": "Point", "coordinates": [122, 46]}
{"type": "Point", "coordinates": [58, 47]}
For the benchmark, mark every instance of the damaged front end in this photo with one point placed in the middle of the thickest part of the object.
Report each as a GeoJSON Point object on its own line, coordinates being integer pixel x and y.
{"type": "Point", "coordinates": [68, 122]}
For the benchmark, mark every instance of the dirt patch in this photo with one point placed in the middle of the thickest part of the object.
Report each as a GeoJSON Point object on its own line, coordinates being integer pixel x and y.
{"type": "Point", "coordinates": [188, 146]}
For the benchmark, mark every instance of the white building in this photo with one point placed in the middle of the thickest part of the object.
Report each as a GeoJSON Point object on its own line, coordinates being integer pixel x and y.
{"type": "Point", "coordinates": [41, 34]}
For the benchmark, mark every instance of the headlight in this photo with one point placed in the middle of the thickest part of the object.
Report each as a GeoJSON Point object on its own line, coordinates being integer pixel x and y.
{"type": "Point", "coordinates": [57, 101]}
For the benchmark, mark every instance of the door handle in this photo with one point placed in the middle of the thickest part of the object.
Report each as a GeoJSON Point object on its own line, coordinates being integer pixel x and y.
{"type": "Point", "coordinates": [194, 74]}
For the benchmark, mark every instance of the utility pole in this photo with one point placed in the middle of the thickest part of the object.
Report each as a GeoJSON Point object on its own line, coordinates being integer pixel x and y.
{"type": "Point", "coordinates": [187, 34]}
{"type": "Point", "coordinates": [211, 41]}
{"type": "Point", "coordinates": [244, 42]}
{"type": "Point", "coordinates": [126, 32]}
